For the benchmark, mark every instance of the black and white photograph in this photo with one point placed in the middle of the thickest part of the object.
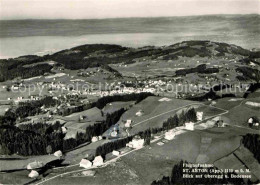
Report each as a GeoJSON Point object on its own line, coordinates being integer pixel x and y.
{"type": "Point", "coordinates": [129, 92]}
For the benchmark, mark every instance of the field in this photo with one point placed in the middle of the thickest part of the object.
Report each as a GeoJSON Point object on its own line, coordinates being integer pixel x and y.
{"type": "Point", "coordinates": [18, 164]}
{"type": "Point", "coordinates": [154, 112]}
{"type": "Point", "coordinates": [248, 159]}
{"type": "Point", "coordinates": [115, 106]}
{"type": "Point", "coordinates": [228, 103]}
{"type": "Point", "coordinates": [240, 114]}
{"type": "Point", "coordinates": [74, 124]}
{"type": "Point", "coordinates": [141, 166]}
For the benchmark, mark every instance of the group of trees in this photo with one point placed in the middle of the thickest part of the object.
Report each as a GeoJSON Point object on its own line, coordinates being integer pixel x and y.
{"type": "Point", "coordinates": [249, 74]}
{"type": "Point", "coordinates": [109, 147]}
{"type": "Point", "coordinates": [199, 69]}
{"type": "Point", "coordinates": [93, 130]}
{"type": "Point", "coordinates": [12, 68]}
{"type": "Point", "coordinates": [101, 103]}
{"type": "Point", "coordinates": [176, 177]}
{"type": "Point", "coordinates": [30, 139]}
{"type": "Point", "coordinates": [38, 138]}
{"type": "Point", "coordinates": [176, 120]}
{"type": "Point", "coordinates": [252, 142]}
{"type": "Point", "coordinates": [25, 109]}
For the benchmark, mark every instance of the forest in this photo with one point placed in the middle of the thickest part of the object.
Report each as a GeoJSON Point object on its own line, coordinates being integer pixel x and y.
{"type": "Point", "coordinates": [252, 142]}
{"type": "Point", "coordinates": [25, 109]}
{"type": "Point", "coordinates": [176, 120]}
{"type": "Point", "coordinates": [101, 102]}
{"type": "Point", "coordinates": [199, 69]}
{"type": "Point", "coordinates": [33, 139]}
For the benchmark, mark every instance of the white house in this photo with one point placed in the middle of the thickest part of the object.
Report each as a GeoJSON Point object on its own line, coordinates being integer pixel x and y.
{"type": "Point", "coordinates": [128, 123]}
{"type": "Point", "coordinates": [199, 116]}
{"type": "Point", "coordinates": [33, 174]}
{"type": "Point", "coordinates": [98, 161]}
{"type": "Point", "coordinates": [94, 139]}
{"type": "Point", "coordinates": [58, 154]}
{"type": "Point", "coordinates": [250, 120]}
{"type": "Point", "coordinates": [116, 153]}
{"type": "Point", "coordinates": [85, 163]}
{"type": "Point", "coordinates": [189, 126]}
{"type": "Point", "coordinates": [139, 113]}
{"type": "Point", "coordinates": [169, 135]}
{"type": "Point", "coordinates": [64, 130]}
{"type": "Point", "coordinates": [99, 137]}
{"type": "Point", "coordinates": [35, 165]}
{"type": "Point", "coordinates": [137, 142]}
{"type": "Point", "coordinates": [114, 133]}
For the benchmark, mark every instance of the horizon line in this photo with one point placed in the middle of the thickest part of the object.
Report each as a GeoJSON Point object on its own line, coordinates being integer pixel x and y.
{"type": "Point", "coordinates": [199, 15]}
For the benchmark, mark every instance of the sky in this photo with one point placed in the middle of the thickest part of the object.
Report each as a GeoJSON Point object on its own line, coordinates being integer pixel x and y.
{"type": "Point", "coordinates": [92, 9]}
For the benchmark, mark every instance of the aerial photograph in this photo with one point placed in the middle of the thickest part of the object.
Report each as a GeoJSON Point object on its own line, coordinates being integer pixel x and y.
{"type": "Point", "coordinates": [129, 92]}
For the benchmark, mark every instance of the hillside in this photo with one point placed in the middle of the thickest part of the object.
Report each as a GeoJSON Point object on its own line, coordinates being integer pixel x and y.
{"type": "Point", "coordinates": [151, 61]}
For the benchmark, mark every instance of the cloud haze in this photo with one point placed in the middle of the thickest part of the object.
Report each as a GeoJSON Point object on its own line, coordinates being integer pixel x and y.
{"type": "Point", "coordinates": [87, 9]}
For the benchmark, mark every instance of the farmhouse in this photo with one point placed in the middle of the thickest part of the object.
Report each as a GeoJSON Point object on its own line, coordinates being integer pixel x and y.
{"type": "Point", "coordinates": [64, 130]}
{"type": "Point", "coordinates": [98, 161]}
{"type": "Point", "coordinates": [94, 139]}
{"type": "Point", "coordinates": [114, 132]}
{"type": "Point", "coordinates": [189, 126]}
{"type": "Point", "coordinates": [250, 120]}
{"type": "Point", "coordinates": [35, 165]}
{"type": "Point", "coordinates": [116, 153]}
{"type": "Point", "coordinates": [199, 116]}
{"type": "Point", "coordinates": [137, 142]}
{"type": "Point", "coordinates": [139, 113]}
{"type": "Point", "coordinates": [169, 135]}
{"type": "Point", "coordinates": [33, 174]}
{"type": "Point", "coordinates": [85, 163]}
{"type": "Point", "coordinates": [128, 123]}
{"type": "Point", "coordinates": [58, 154]}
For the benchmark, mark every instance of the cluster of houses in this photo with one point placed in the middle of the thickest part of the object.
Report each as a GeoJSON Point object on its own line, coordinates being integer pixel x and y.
{"type": "Point", "coordinates": [33, 166]}
{"type": "Point", "coordinates": [253, 122]}
{"type": "Point", "coordinates": [98, 161]}
{"type": "Point", "coordinates": [96, 138]}
{"type": "Point", "coordinates": [136, 143]}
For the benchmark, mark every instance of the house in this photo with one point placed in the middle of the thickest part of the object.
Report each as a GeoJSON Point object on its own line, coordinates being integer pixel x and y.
{"type": "Point", "coordinates": [139, 113]}
{"type": "Point", "coordinates": [58, 154]}
{"type": "Point", "coordinates": [114, 132]}
{"type": "Point", "coordinates": [128, 123]}
{"type": "Point", "coordinates": [35, 165]}
{"type": "Point", "coordinates": [85, 163]}
{"type": "Point", "coordinates": [99, 138]}
{"type": "Point", "coordinates": [136, 143]}
{"type": "Point", "coordinates": [199, 116]}
{"type": "Point", "coordinates": [189, 126]}
{"type": "Point", "coordinates": [98, 161]}
{"type": "Point", "coordinates": [64, 130]}
{"type": "Point", "coordinates": [250, 120]}
{"type": "Point", "coordinates": [169, 135]}
{"type": "Point", "coordinates": [213, 103]}
{"type": "Point", "coordinates": [116, 153]}
{"type": "Point", "coordinates": [33, 174]}
{"type": "Point", "coordinates": [94, 139]}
